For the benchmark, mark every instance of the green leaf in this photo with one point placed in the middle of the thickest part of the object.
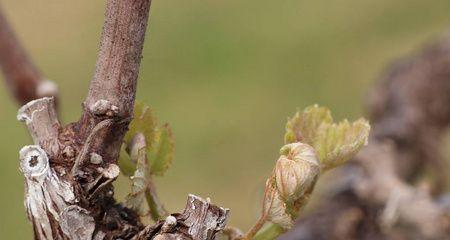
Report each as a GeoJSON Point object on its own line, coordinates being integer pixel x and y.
{"type": "Point", "coordinates": [126, 164]}
{"type": "Point", "coordinates": [144, 122]}
{"type": "Point", "coordinates": [269, 232]}
{"type": "Point", "coordinates": [161, 155]}
{"type": "Point", "coordinates": [147, 150]}
{"type": "Point", "coordinates": [303, 127]}
{"type": "Point", "coordinates": [159, 142]}
{"type": "Point", "coordinates": [335, 143]}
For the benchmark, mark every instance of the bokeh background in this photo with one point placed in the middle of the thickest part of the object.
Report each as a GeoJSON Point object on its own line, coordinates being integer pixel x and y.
{"type": "Point", "coordinates": [225, 74]}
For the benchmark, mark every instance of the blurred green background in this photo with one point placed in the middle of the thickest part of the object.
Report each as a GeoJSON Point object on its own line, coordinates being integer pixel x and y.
{"type": "Point", "coordinates": [225, 74]}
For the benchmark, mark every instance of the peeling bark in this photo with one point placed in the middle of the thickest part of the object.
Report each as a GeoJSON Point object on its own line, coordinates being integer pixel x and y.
{"type": "Point", "coordinates": [70, 169]}
{"type": "Point", "coordinates": [200, 220]}
{"type": "Point", "coordinates": [49, 199]}
{"type": "Point", "coordinates": [67, 150]}
{"type": "Point", "coordinates": [63, 205]}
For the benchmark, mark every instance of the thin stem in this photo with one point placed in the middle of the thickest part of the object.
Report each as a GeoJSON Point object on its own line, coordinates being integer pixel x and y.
{"type": "Point", "coordinates": [139, 145]}
{"type": "Point", "coordinates": [258, 225]}
{"type": "Point", "coordinates": [269, 232]}
{"type": "Point", "coordinates": [262, 220]}
{"type": "Point", "coordinates": [157, 210]}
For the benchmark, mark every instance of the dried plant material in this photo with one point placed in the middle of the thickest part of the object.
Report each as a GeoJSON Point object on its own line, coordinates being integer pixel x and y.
{"type": "Point", "coordinates": [69, 171]}
{"type": "Point", "coordinates": [198, 210]}
{"type": "Point", "coordinates": [76, 223]}
{"type": "Point", "coordinates": [47, 196]}
{"type": "Point", "coordinates": [42, 122]}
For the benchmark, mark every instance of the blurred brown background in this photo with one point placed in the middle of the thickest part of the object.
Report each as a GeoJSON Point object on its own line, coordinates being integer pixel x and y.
{"type": "Point", "coordinates": [224, 74]}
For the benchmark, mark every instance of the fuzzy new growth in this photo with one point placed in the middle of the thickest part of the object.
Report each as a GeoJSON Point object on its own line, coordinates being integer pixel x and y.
{"type": "Point", "coordinates": [314, 144]}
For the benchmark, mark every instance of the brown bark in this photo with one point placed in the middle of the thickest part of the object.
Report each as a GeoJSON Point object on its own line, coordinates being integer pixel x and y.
{"type": "Point", "coordinates": [200, 220]}
{"type": "Point", "coordinates": [70, 196]}
{"type": "Point", "coordinates": [107, 112]}
{"type": "Point", "coordinates": [22, 78]}
{"type": "Point", "coordinates": [69, 170]}
{"type": "Point", "coordinates": [112, 90]}
{"type": "Point", "coordinates": [378, 196]}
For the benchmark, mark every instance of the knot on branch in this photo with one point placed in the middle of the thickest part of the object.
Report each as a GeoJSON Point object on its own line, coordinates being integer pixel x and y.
{"type": "Point", "coordinates": [34, 162]}
{"type": "Point", "coordinates": [104, 107]}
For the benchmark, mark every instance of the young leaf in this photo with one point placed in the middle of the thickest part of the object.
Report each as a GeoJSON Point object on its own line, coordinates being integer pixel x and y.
{"type": "Point", "coordinates": [334, 142]}
{"type": "Point", "coordinates": [159, 142]}
{"type": "Point", "coordinates": [126, 164]}
{"type": "Point", "coordinates": [303, 127]}
{"type": "Point", "coordinates": [161, 155]}
{"type": "Point", "coordinates": [144, 122]}
{"type": "Point", "coordinates": [311, 137]}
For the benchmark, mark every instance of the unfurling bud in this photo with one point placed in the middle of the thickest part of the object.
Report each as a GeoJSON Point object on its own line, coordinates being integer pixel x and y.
{"type": "Point", "coordinates": [314, 144]}
{"type": "Point", "coordinates": [288, 189]}
{"type": "Point", "coordinates": [296, 170]}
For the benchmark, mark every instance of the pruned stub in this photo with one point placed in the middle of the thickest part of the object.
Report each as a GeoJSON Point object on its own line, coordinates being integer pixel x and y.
{"type": "Point", "coordinates": [203, 218]}
{"type": "Point", "coordinates": [50, 200]}
{"type": "Point", "coordinates": [200, 220]}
